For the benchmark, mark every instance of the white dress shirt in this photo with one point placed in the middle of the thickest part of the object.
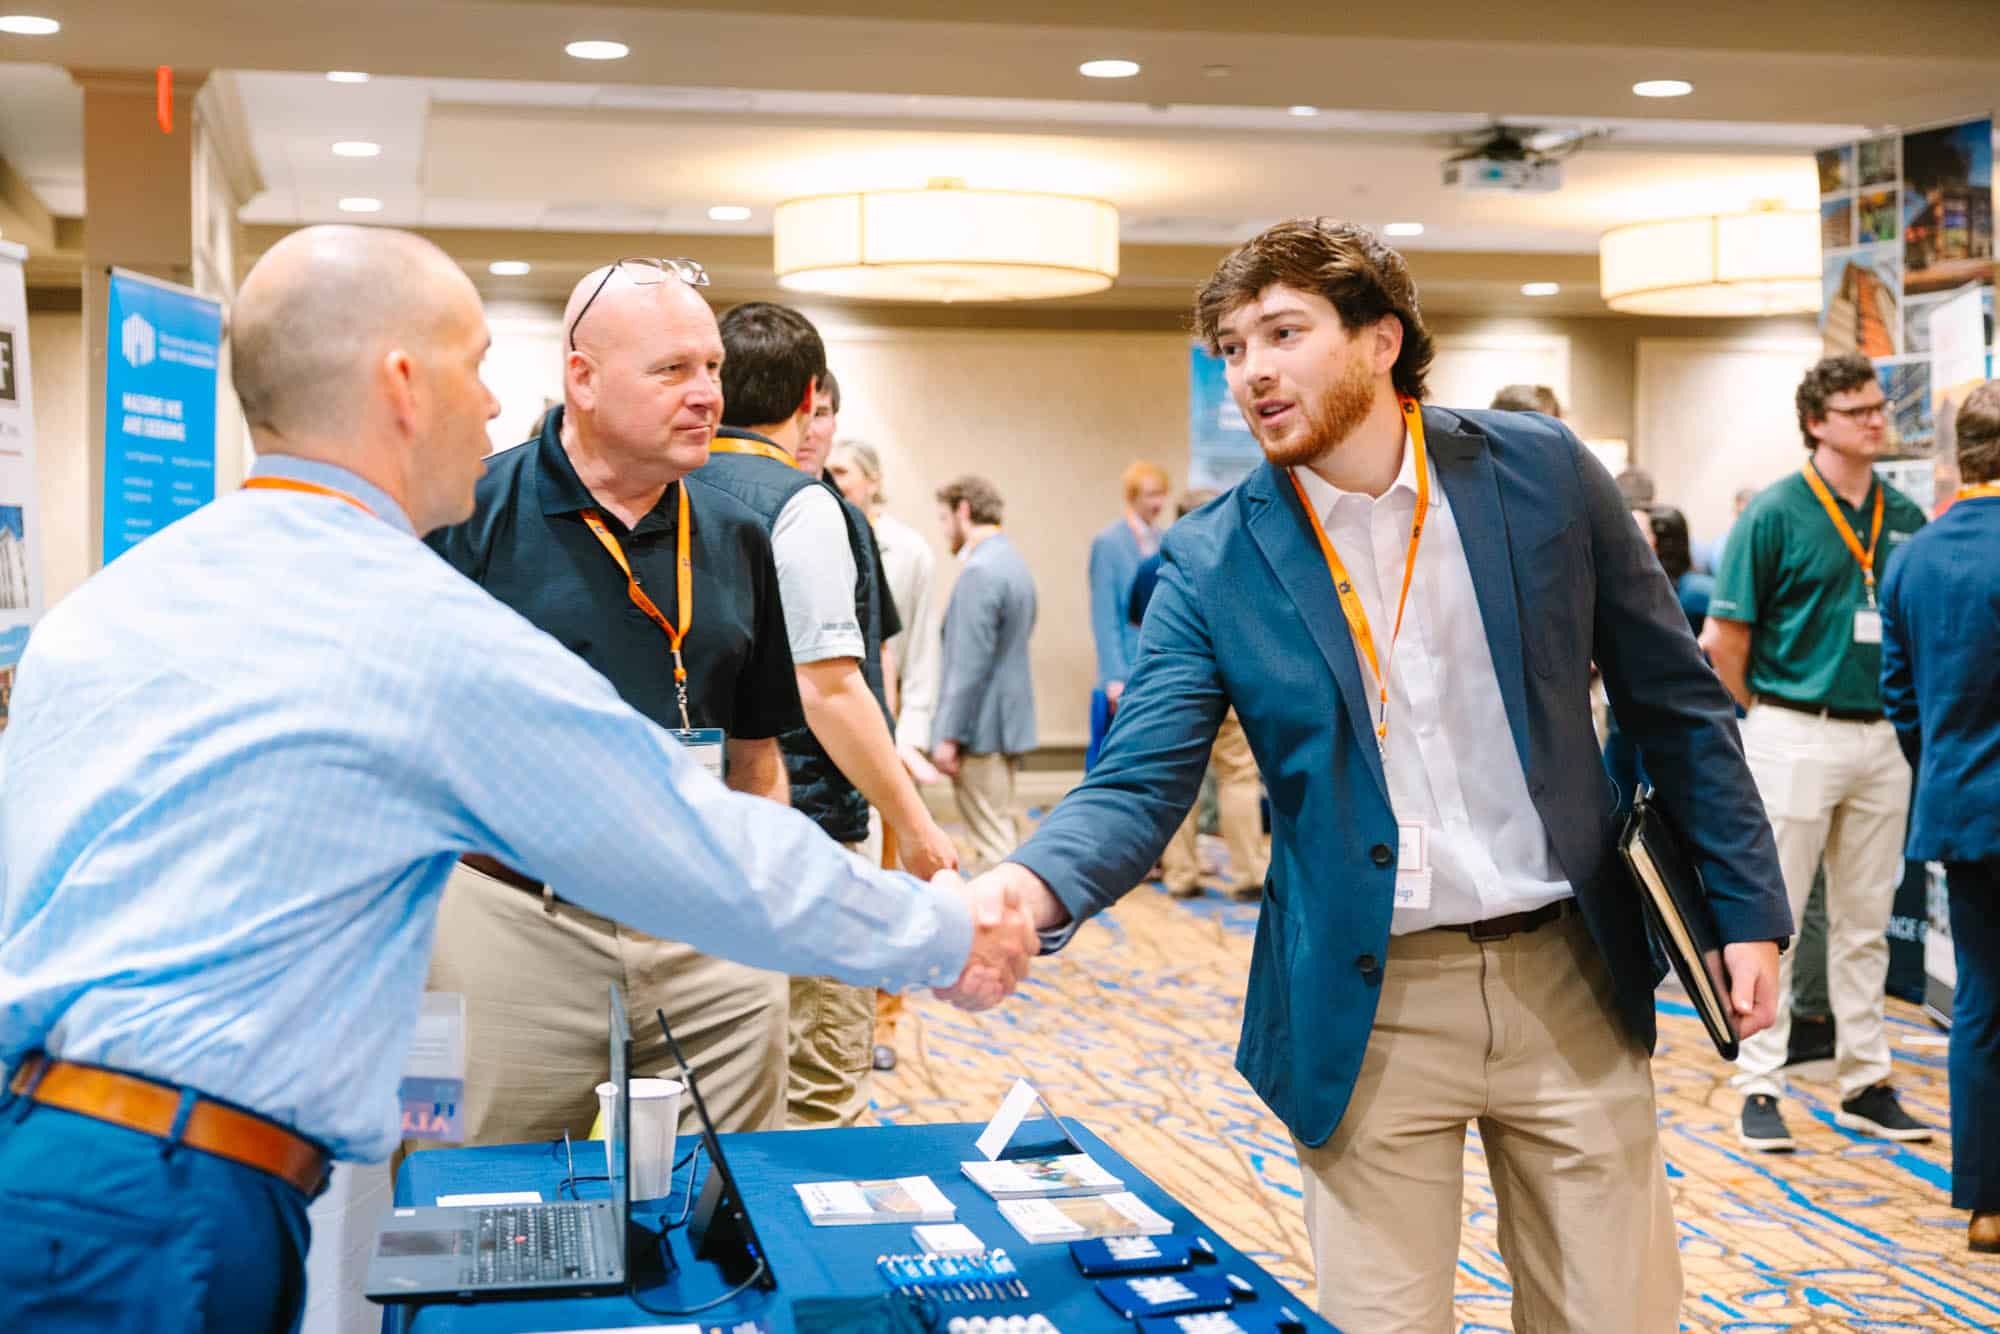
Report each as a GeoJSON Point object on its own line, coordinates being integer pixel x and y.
{"type": "Point", "coordinates": [1450, 757]}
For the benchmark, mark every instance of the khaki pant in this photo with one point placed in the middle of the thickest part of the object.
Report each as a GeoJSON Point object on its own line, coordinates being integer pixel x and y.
{"type": "Point", "coordinates": [1239, 811]}
{"type": "Point", "coordinates": [831, 1042]}
{"type": "Point", "coordinates": [1838, 793]}
{"type": "Point", "coordinates": [985, 790]}
{"type": "Point", "coordinates": [535, 975]}
{"type": "Point", "coordinates": [1518, 1035]}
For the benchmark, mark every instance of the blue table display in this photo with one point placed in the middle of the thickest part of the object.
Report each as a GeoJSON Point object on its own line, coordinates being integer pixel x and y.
{"type": "Point", "coordinates": [808, 1261]}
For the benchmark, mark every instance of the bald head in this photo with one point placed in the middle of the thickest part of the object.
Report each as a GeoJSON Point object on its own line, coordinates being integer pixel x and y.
{"type": "Point", "coordinates": [319, 312]}
{"type": "Point", "coordinates": [636, 300]}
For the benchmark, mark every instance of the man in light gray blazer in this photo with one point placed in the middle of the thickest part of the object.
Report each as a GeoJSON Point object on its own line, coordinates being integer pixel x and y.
{"type": "Point", "coordinates": [986, 696]}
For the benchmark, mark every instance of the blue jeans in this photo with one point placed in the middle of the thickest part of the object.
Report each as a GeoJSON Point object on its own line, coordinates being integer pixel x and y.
{"type": "Point", "coordinates": [1974, 891]}
{"type": "Point", "coordinates": [108, 1229]}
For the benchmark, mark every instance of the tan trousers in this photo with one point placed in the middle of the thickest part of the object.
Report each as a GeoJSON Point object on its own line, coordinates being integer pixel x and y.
{"type": "Point", "coordinates": [985, 790]}
{"type": "Point", "coordinates": [535, 979]}
{"type": "Point", "coordinates": [832, 1042]}
{"type": "Point", "coordinates": [1519, 1036]}
{"type": "Point", "coordinates": [1240, 812]}
{"type": "Point", "coordinates": [1835, 792]}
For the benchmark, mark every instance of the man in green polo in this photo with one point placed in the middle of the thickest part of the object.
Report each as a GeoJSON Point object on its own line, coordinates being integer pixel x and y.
{"type": "Point", "coordinates": [1794, 632]}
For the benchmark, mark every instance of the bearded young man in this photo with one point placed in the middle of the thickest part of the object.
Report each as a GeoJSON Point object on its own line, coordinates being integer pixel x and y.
{"type": "Point", "coordinates": [1402, 606]}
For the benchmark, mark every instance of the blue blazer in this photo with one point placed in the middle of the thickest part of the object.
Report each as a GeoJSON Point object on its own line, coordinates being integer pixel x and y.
{"type": "Point", "coordinates": [1941, 679]}
{"type": "Point", "coordinates": [1114, 561]}
{"type": "Point", "coordinates": [1245, 616]}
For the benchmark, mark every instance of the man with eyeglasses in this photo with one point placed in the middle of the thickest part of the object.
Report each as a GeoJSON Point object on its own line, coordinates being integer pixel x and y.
{"type": "Point", "coordinates": [582, 530]}
{"type": "Point", "coordinates": [1795, 631]}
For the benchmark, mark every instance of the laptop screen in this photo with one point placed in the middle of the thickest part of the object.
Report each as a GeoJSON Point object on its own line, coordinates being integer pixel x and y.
{"type": "Point", "coordinates": [620, 1166]}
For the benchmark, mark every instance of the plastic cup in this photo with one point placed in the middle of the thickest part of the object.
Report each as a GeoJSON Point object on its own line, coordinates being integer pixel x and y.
{"type": "Point", "coordinates": [656, 1110]}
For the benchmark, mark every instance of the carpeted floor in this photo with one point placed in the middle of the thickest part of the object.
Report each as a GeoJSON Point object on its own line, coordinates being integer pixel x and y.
{"type": "Point", "coordinates": [1133, 1029]}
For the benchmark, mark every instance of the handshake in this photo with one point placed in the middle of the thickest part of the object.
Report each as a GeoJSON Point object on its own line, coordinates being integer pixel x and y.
{"type": "Point", "coordinates": [1007, 904]}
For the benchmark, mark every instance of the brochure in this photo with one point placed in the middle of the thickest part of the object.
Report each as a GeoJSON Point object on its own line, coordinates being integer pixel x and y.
{"type": "Point", "coordinates": [1121, 1215]}
{"type": "Point", "coordinates": [1049, 1177]}
{"type": "Point", "coordinates": [905, 1200]}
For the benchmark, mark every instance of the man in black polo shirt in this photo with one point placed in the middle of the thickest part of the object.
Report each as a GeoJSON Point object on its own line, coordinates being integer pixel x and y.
{"type": "Point", "coordinates": [837, 613]}
{"type": "Point", "coordinates": [557, 521]}
{"type": "Point", "coordinates": [1795, 633]}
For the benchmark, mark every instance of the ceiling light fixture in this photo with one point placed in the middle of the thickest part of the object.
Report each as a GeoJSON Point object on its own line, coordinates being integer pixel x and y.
{"type": "Point", "coordinates": [1302, 110]}
{"type": "Point", "coordinates": [1762, 262]}
{"type": "Point", "coordinates": [346, 76]}
{"type": "Point", "coordinates": [29, 25]}
{"type": "Point", "coordinates": [1540, 289]}
{"type": "Point", "coordinates": [1404, 229]}
{"type": "Point", "coordinates": [598, 50]}
{"type": "Point", "coordinates": [357, 148]}
{"type": "Point", "coordinates": [1663, 88]}
{"type": "Point", "coordinates": [945, 243]}
{"type": "Point", "coordinates": [1108, 69]}
{"type": "Point", "coordinates": [729, 213]}
{"type": "Point", "coordinates": [360, 204]}
{"type": "Point", "coordinates": [509, 268]}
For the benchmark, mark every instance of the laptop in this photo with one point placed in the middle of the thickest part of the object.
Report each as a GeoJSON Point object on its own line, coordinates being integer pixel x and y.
{"type": "Point", "coordinates": [487, 1252]}
{"type": "Point", "coordinates": [720, 1227]}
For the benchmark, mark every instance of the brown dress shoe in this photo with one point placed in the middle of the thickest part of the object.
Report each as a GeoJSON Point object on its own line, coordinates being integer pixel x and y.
{"type": "Point", "coordinates": [1984, 1234]}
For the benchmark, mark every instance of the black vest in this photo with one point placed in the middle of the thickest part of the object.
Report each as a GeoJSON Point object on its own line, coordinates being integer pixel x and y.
{"type": "Point", "coordinates": [819, 790]}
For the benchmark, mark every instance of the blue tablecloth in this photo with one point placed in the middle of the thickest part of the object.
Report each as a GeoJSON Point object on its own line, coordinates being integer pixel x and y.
{"type": "Point", "coordinates": [808, 1261]}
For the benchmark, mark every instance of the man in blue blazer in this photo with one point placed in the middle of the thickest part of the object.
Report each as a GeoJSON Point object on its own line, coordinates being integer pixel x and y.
{"type": "Point", "coordinates": [1448, 936]}
{"type": "Point", "coordinates": [1940, 641]}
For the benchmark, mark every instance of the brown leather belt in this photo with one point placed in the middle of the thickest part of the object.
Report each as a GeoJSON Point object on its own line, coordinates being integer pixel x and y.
{"type": "Point", "coordinates": [152, 1108]}
{"type": "Point", "coordinates": [502, 872]}
{"type": "Point", "coordinates": [1823, 711]}
{"type": "Point", "coordinates": [1514, 923]}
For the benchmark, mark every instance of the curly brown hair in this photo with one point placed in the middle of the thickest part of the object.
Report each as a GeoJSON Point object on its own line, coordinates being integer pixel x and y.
{"type": "Point", "coordinates": [979, 495]}
{"type": "Point", "coordinates": [1364, 279]}
{"type": "Point", "coordinates": [1829, 376]}
{"type": "Point", "coordinates": [1979, 435]}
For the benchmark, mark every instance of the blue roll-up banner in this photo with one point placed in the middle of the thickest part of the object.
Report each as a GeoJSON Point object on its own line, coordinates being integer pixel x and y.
{"type": "Point", "coordinates": [159, 407]}
{"type": "Point", "coordinates": [1221, 448]}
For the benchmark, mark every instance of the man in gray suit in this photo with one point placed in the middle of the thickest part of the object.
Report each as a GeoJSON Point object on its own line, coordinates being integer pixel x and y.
{"type": "Point", "coordinates": [986, 698]}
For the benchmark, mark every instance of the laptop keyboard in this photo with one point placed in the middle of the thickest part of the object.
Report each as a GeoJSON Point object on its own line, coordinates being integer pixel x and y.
{"type": "Point", "coordinates": [533, 1244]}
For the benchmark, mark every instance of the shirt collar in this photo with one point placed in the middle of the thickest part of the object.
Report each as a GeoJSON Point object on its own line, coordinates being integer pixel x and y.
{"type": "Point", "coordinates": [561, 491]}
{"type": "Point", "coordinates": [1326, 496]}
{"type": "Point", "coordinates": [296, 469]}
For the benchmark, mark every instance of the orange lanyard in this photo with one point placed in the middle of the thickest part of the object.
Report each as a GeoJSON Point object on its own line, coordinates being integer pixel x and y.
{"type": "Point", "coordinates": [309, 488]}
{"type": "Point", "coordinates": [1847, 534]}
{"type": "Point", "coordinates": [1350, 601]}
{"type": "Point", "coordinates": [760, 448]}
{"type": "Point", "coordinates": [1979, 490]}
{"type": "Point", "coordinates": [683, 585]}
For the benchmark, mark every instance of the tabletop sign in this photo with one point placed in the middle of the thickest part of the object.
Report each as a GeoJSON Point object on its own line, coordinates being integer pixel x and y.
{"type": "Point", "coordinates": [998, 1139]}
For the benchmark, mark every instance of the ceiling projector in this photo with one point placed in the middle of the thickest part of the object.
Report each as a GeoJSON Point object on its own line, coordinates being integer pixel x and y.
{"type": "Point", "coordinates": [1520, 161]}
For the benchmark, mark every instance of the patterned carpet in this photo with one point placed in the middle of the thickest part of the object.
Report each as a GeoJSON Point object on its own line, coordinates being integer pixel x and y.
{"type": "Point", "coordinates": [1133, 1029]}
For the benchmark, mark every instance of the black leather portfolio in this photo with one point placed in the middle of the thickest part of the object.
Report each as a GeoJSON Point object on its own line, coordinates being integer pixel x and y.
{"type": "Point", "coordinates": [1677, 909]}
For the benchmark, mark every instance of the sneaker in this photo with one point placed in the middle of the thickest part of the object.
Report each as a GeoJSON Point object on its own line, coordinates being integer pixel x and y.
{"type": "Point", "coordinates": [1875, 1111]}
{"type": "Point", "coordinates": [1763, 1127]}
{"type": "Point", "coordinates": [1983, 1234]}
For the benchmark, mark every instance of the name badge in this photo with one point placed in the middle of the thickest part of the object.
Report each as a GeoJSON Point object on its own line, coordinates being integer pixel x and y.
{"type": "Point", "coordinates": [1413, 867]}
{"type": "Point", "coordinates": [1867, 625]}
{"type": "Point", "coordinates": [704, 744]}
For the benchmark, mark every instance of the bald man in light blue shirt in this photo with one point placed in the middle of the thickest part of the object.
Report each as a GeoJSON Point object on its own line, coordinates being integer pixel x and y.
{"type": "Point", "coordinates": [242, 762]}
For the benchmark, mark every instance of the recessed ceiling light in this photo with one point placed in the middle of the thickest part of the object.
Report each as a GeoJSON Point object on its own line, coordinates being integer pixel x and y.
{"type": "Point", "coordinates": [1217, 71]}
{"type": "Point", "coordinates": [346, 76]}
{"type": "Point", "coordinates": [1663, 88]}
{"type": "Point", "coordinates": [1108, 69]}
{"type": "Point", "coordinates": [1404, 229]}
{"type": "Point", "coordinates": [356, 148]}
{"type": "Point", "coordinates": [598, 50]}
{"type": "Point", "coordinates": [1303, 110]}
{"type": "Point", "coordinates": [1540, 289]}
{"type": "Point", "coordinates": [29, 25]}
{"type": "Point", "coordinates": [729, 213]}
{"type": "Point", "coordinates": [360, 204]}
{"type": "Point", "coordinates": [509, 268]}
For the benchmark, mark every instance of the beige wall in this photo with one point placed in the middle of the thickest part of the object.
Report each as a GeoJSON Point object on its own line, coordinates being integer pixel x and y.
{"type": "Point", "coordinates": [62, 455]}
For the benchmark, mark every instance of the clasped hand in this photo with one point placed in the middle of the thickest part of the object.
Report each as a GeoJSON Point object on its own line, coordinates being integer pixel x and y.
{"type": "Point", "coordinates": [1003, 941]}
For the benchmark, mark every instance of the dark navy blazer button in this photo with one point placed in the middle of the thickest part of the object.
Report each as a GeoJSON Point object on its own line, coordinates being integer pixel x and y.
{"type": "Point", "coordinates": [1366, 963]}
{"type": "Point", "coordinates": [1380, 854]}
